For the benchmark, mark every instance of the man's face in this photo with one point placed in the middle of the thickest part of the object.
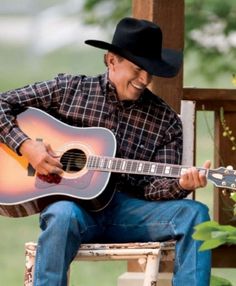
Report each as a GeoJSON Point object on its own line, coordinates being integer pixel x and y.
{"type": "Point", "coordinates": [128, 79]}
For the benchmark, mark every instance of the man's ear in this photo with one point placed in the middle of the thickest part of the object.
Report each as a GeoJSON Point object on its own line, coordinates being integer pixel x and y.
{"type": "Point", "coordinates": [110, 60]}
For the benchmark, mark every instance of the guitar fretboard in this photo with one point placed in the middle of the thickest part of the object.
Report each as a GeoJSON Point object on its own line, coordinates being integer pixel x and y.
{"type": "Point", "coordinates": [118, 165]}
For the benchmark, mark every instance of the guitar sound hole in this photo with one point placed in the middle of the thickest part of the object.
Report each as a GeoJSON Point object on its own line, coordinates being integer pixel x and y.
{"type": "Point", "coordinates": [73, 160]}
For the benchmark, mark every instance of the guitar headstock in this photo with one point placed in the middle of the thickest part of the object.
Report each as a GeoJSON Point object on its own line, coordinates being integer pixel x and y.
{"type": "Point", "coordinates": [223, 177]}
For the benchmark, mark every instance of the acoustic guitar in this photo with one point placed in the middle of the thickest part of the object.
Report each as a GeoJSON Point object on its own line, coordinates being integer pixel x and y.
{"type": "Point", "coordinates": [87, 156]}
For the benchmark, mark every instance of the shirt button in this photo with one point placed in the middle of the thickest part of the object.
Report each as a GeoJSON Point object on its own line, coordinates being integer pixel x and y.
{"type": "Point", "coordinates": [142, 146]}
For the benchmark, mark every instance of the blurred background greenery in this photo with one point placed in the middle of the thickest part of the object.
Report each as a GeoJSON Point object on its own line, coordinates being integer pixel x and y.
{"type": "Point", "coordinates": [39, 39]}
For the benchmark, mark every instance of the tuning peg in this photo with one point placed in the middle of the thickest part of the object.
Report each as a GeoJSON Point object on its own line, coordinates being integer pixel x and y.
{"type": "Point", "coordinates": [229, 167]}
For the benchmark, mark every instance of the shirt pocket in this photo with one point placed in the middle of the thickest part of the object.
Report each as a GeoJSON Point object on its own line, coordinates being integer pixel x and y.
{"type": "Point", "coordinates": [140, 147]}
{"type": "Point", "coordinates": [146, 148]}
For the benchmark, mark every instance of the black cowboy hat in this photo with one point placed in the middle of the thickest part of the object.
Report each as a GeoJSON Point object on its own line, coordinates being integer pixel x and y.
{"type": "Point", "coordinates": [140, 41]}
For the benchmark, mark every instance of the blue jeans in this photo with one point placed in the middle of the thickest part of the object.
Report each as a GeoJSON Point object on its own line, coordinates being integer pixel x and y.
{"type": "Point", "coordinates": [65, 225]}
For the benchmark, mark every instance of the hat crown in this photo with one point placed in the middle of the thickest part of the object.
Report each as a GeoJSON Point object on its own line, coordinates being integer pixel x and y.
{"type": "Point", "coordinates": [139, 37]}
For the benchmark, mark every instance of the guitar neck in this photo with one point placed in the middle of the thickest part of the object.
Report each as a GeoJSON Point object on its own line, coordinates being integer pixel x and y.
{"type": "Point", "coordinates": [118, 165]}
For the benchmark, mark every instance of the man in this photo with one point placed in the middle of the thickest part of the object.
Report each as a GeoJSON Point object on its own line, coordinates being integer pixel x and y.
{"type": "Point", "coordinates": [143, 208]}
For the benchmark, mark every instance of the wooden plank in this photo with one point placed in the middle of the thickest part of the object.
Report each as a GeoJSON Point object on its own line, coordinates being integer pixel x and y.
{"type": "Point", "coordinates": [209, 94]}
{"type": "Point", "coordinates": [211, 99]}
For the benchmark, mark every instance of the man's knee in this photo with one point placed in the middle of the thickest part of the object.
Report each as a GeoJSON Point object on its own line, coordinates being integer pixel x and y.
{"type": "Point", "coordinates": [194, 210]}
{"type": "Point", "coordinates": [61, 213]}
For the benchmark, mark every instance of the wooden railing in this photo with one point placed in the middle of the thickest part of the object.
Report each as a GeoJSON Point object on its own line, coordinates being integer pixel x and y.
{"type": "Point", "coordinates": [214, 100]}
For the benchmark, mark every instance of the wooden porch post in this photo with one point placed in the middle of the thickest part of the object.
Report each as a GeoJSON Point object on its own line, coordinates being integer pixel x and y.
{"type": "Point", "coordinates": [159, 11]}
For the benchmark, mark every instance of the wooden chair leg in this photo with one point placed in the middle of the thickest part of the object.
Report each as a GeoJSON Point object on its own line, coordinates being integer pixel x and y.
{"type": "Point", "coordinates": [152, 270]}
{"type": "Point", "coordinates": [30, 251]}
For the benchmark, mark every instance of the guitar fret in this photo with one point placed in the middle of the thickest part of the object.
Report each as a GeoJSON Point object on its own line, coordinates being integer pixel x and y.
{"type": "Point", "coordinates": [134, 166]}
{"type": "Point", "coordinates": [128, 166]}
{"type": "Point", "coordinates": [92, 161]}
{"type": "Point", "coordinates": [118, 164]}
{"type": "Point", "coordinates": [89, 162]}
{"type": "Point", "coordinates": [159, 169]}
{"type": "Point", "coordinates": [101, 163]}
{"type": "Point", "coordinates": [146, 168]}
{"type": "Point", "coordinates": [106, 163]}
{"type": "Point", "coordinates": [113, 165]}
{"type": "Point", "coordinates": [97, 162]}
{"type": "Point", "coordinates": [175, 171]}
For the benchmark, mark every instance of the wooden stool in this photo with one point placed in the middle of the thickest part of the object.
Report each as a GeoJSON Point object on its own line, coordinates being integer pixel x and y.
{"type": "Point", "coordinates": [147, 254]}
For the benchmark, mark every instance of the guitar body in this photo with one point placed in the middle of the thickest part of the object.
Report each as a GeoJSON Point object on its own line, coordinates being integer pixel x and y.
{"type": "Point", "coordinates": [87, 156]}
{"type": "Point", "coordinates": [23, 192]}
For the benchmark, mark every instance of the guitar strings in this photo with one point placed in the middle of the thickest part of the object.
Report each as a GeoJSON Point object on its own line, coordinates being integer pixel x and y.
{"type": "Point", "coordinates": [74, 159]}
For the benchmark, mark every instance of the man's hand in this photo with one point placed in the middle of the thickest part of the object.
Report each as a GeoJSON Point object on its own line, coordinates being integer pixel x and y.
{"type": "Point", "coordinates": [41, 156]}
{"type": "Point", "coordinates": [193, 178]}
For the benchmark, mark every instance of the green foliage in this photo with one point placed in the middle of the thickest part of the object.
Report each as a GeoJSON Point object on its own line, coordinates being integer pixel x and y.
{"type": "Point", "coordinates": [105, 12]}
{"type": "Point", "coordinates": [213, 234]}
{"type": "Point", "coordinates": [218, 281]}
{"type": "Point", "coordinates": [209, 28]}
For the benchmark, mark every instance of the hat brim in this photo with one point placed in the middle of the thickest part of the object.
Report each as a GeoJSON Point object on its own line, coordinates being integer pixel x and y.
{"type": "Point", "coordinates": [167, 66]}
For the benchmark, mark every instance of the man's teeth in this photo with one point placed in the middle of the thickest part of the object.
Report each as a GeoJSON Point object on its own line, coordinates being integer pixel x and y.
{"type": "Point", "coordinates": [137, 86]}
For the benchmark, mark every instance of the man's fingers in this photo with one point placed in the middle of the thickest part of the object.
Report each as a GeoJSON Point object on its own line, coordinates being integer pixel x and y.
{"type": "Point", "coordinates": [207, 164]}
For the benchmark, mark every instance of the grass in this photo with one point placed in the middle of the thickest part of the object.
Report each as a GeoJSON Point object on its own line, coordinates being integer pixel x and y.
{"type": "Point", "coordinates": [14, 233]}
{"type": "Point", "coordinates": [18, 68]}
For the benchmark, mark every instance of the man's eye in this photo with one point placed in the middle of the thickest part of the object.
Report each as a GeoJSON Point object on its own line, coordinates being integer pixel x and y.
{"type": "Point", "coordinates": [138, 69]}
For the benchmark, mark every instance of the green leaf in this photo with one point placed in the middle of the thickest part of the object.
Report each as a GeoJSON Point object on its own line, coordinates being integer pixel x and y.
{"type": "Point", "coordinates": [212, 226]}
{"type": "Point", "coordinates": [207, 225]}
{"type": "Point", "coordinates": [233, 196]}
{"type": "Point", "coordinates": [219, 234]}
{"type": "Point", "coordinates": [213, 234]}
{"type": "Point", "coordinates": [212, 243]}
{"type": "Point", "coordinates": [218, 281]}
{"type": "Point", "coordinates": [231, 239]}
{"type": "Point", "coordinates": [204, 230]}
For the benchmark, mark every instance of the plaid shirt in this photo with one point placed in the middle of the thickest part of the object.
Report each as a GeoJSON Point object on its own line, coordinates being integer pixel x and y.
{"type": "Point", "coordinates": [146, 129]}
